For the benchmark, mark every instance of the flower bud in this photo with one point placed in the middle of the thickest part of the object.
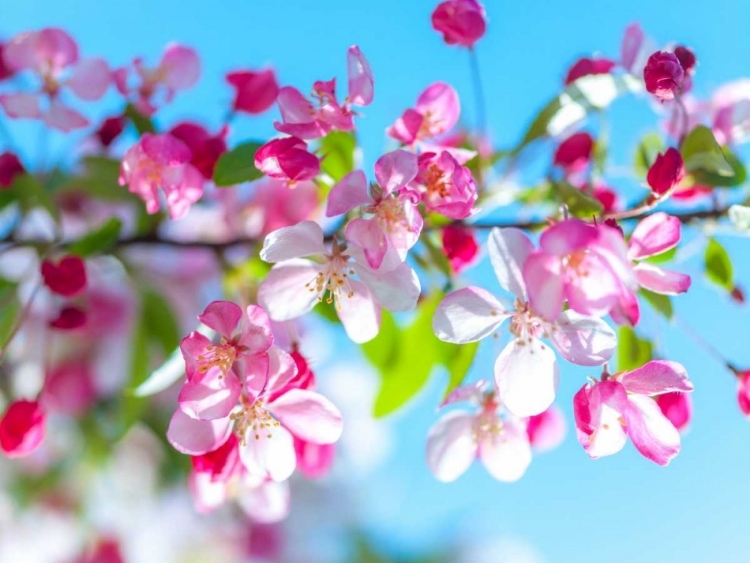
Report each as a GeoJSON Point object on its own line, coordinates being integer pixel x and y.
{"type": "Point", "coordinates": [287, 159]}
{"type": "Point", "coordinates": [459, 246]}
{"type": "Point", "coordinates": [255, 92]}
{"type": "Point", "coordinates": [574, 152]}
{"type": "Point", "coordinates": [67, 277]}
{"type": "Point", "coordinates": [586, 66]}
{"type": "Point", "coordinates": [663, 75]}
{"type": "Point", "coordinates": [666, 172]}
{"type": "Point", "coordinates": [462, 22]}
{"type": "Point", "coordinates": [10, 167]}
{"type": "Point", "coordinates": [21, 428]}
{"type": "Point", "coordinates": [686, 58]}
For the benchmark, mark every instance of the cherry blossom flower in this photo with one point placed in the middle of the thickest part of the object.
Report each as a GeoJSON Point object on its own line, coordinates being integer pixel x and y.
{"type": "Point", "coordinates": [619, 406]}
{"type": "Point", "coordinates": [392, 222]}
{"type": "Point", "coordinates": [301, 118]}
{"type": "Point", "coordinates": [255, 91]}
{"type": "Point", "coordinates": [446, 187]}
{"type": "Point", "coordinates": [69, 388]}
{"type": "Point", "coordinates": [664, 75]}
{"type": "Point", "coordinates": [526, 371]}
{"type": "Point", "coordinates": [178, 69]}
{"type": "Point", "coordinates": [666, 173]}
{"type": "Point", "coordinates": [460, 247]}
{"type": "Point", "coordinates": [287, 159]}
{"type": "Point", "coordinates": [307, 273]}
{"type": "Point", "coordinates": [162, 161]}
{"type": "Point", "coordinates": [585, 264]}
{"type": "Point", "coordinates": [586, 67]}
{"type": "Point", "coordinates": [205, 148]}
{"type": "Point", "coordinates": [66, 277]}
{"type": "Point", "coordinates": [655, 234]}
{"type": "Point", "coordinates": [574, 153]}
{"type": "Point", "coordinates": [462, 22]}
{"type": "Point", "coordinates": [22, 428]}
{"type": "Point", "coordinates": [436, 113]}
{"type": "Point", "coordinates": [730, 112]}
{"type": "Point", "coordinates": [458, 438]}
{"type": "Point", "coordinates": [687, 59]}
{"type": "Point", "coordinates": [53, 56]}
{"type": "Point", "coordinates": [635, 49]}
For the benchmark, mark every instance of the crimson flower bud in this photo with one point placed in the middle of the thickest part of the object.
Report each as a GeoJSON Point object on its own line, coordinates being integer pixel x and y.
{"type": "Point", "coordinates": [70, 318]}
{"type": "Point", "coordinates": [686, 58]}
{"type": "Point", "coordinates": [666, 172]}
{"type": "Point", "coordinates": [21, 428]}
{"type": "Point", "coordinates": [462, 22]}
{"type": "Point", "coordinates": [10, 167]}
{"type": "Point", "coordinates": [574, 152]}
{"type": "Point", "coordinates": [67, 277]}
{"type": "Point", "coordinates": [287, 159]}
{"type": "Point", "coordinates": [255, 92]}
{"type": "Point", "coordinates": [586, 66]}
{"type": "Point", "coordinates": [459, 246]}
{"type": "Point", "coordinates": [663, 75]}
{"type": "Point", "coordinates": [110, 129]}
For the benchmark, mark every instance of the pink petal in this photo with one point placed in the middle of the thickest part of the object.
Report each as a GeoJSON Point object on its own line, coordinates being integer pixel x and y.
{"type": "Point", "coordinates": [314, 460]}
{"type": "Point", "coordinates": [349, 193]}
{"type": "Point", "coordinates": [440, 105]}
{"type": "Point", "coordinates": [655, 234]}
{"type": "Point", "coordinates": [359, 313]}
{"type": "Point", "coordinates": [369, 236]}
{"type": "Point", "coordinates": [407, 127]}
{"type": "Point", "coordinates": [308, 416]}
{"type": "Point", "coordinates": [509, 249]}
{"type": "Point", "coordinates": [626, 310]}
{"type": "Point", "coordinates": [212, 396]}
{"type": "Point", "coordinates": [653, 435]}
{"type": "Point", "coordinates": [281, 370]}
{"type": "Point", "coordinates": [585, 341]}
{"type": "Point", "coordinates": [677, 407]}
{"type": "Point", "coordinates": [223, 317]}
{"type": "Point", "coordinates": [207, 494]}
{"type": "Point", "coordinates": [256, 372]}
{"type": "Point", "coordinates": [631, 47]}
{"type": "Point", "coordinates": [396, 290]}
{"type": "Point", "coordinates": [661, 281]}
{"type": "Point", "coordinates": [180, 67]}
{"type": "Point", "coordinates": [90, 79]}
{"type": "Point", "coordinates": [22, 428]}
{"type": "Point", "coordinates": [547, 430]}
{"type": "Point", "coordinates": [473, 393]}
{"type": "Point", "coordinates": [468, 315]}
{"type": "Point", "coordinates": [21, 105]}
{"type": "Point", "coordinates": [542, 275]}
{"type": "Point", "coordinates": [197, 437]}
{"type": "Point", "coordinates": [526, 375]}
{"type": "Point", "coordinates": [595, 291]}
{"type": "Point", "coordinates": [64, 118]}
{"type": "Point", "coordinates": [268, 453]}
{"type": "Point", "coordinates": [507, 454]}
{"type": "Point", "coordinates": [395, 169]}
{"type": "Point", "coordinates": [568, 236]}
{"type": "Point", "coordinates": [289, 290]}
{"type": "Point", "coordinates": [451, 446]}
{"type": "Point", "coordinates": [361, 81]}
{"type": "Point", "coordinates": [303, 239]}
{"type": "Point", "coordinates": [266, 503]}
{"type": "Point", "coordinates": [601, 430]}
{"type": "Point", "coordinates": [19, 53]}
{"type": "Point", "coordinates": [656, 377]}
{"type": "Point", "coordinates": [54, 48]}
{"type": "Point", "coordinates": [256, 335]}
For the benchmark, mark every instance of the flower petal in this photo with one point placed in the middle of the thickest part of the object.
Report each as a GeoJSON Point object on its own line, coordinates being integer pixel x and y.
{"type": "Point", "coordinates": [361, 81]}
{"type": "Point", "coordinates": [359, 313]}
{"type": "Point", "coordinates": [661, 281]}
{"type": "Point", "coordinates": [527, 376]}
{"type": "Point", "coordinates": [468, 315]}
{"type": "Point", "coordinates": [541, 272]}
{"type": "Point", "coordinates": [197, 437]}
{"type": "Point", "coordinates": [62, 117]}
{"type": "Point", "coordinates": [395, 169]}
{"type": "Point", "coordinates": [509, 249]}
{"type": "Point", "coordinates": [599, 422]}
{"type": "Point", "coordinates": [655, 234]}
{"type": "Point", "coordinates": [285, 292]}
{"type": "Point", "coordinates": [303, 239]}
{"type": "Point", "coordinates": [369, 236]}
{"type": "Point", "coordinates": [21, 105]}
{"type": "Point", "coordinates": [656, 377]}
{"type": "Point", "coordinates": [506, 455]}
{"type": "Point", "coordinates": [223, 317]}
{"type": "Point", "coordinates": [308, 416]}
{"type": "Point", "coordinates": [90, 78]}
{"type": "Point", "coordinates": [582, 340]}
{"type": "Point", "coordinates": [348, 193]}
{"type": "Point", "coordinates": [396, 290]}
{"type": "Point", "coordinates": [268, 453]}
{"type": "Point", "coordinates": [451, 446]}
{"type": "Point", "coordinates": [211, 396]}
{"type": "Point", "coordinates": [653, 435]}
{"type": "Point", "coordinates": [256, 335]}
{"type": "Point", "coordinates": [180, 67]}
{"type": "Point", "coordinates": [266, 503]}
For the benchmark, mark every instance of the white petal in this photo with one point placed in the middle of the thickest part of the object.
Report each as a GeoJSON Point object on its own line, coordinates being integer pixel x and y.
{"type": "Point", "coordinates": [397, 290]}
{"type": "Point", "coordinates": [284, 293]}
{"type": "Point", "coordinates": [359, 313]}
{"type": "Point", "coordinates": [507, 454]}
{"type": "Point", "coordinates": [303, 239]}
{"type": "Point", "coordinates": [468, 315]}
{"type": "Point", "coordinates": [451, 446]}
{"type": "Point", "coordinates": [266, 503]}
{"type": "Point", "coordinates": [526, 374]}
{"type": "Point", "coordinates": [583, 340]}
{"type": "Point", "coordinates": [269, 453]}
{"type": "Point", "coordinates": [508, 249]}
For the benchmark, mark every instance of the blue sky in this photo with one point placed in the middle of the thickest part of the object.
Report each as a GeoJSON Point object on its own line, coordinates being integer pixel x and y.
{"type": "Point", "coordinates": [619, 509]}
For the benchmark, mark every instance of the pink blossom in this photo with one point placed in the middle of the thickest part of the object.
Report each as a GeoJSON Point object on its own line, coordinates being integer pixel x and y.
{"type": "Point", "coordinates": [205, 148]}
{"type": "Point", "coordinates": [458, 438]}
{"type": "Point", "coordinates": [663, 75]}
{"type": "Point", "coordinates": [526, 371]}
{"type": "Point", "coordinates": [546, 430]}
{"type": "Point", "coordinates": [677, 407]}
{"type": "Point", "coordinates": [287, 159]}
{"type": "Point", "coordinates": [460, 247]}
{"type": "Point", "coordinates": [69, 388]}
{"type": "Point", "coordinates": [392, 222]}
{"type": "Point", "coordinates": [635, 49]}
{"type": "Point", "coordinates": [730, 112]}
{"type": "Point", "coordinates": [621, 405]}
{"type": "Point", "coordinates": [306, 273]}
{"type": "Point", "coordinates": [462, 22]}
{"type": "Point", "coordinates": [255, 91]}
{"type": "Point", "coordinates": [66, 277]}
{"type": "Point", "coordinates": [162, 161]}
{"type": "Point", "coordinates": [574, 153]}
{"type": "Point", "coordinates": [666, 173]}
{"type": "Point", "coordinates": [436, 113]}
{"type": "Point", "coordinates": [687, 59]}
{"type": "Point", "coordinates": [178, 69]}
{"type": "Point", "coordinates": [654, 235]}
{"type": "Point", "coordinates": [53, 56]}
{"type": "Point", "coordinates": [10, 169]}
{"type": "Point", "coordinates": [22, 428]}
{"type": "Point", "coordinates": [585, 265]}
{"type": "Point", "coordinates": [110, 129]}
{"type": "Point", "coordinates": [446, 187]}
{"type": "Point", "coordinates": [743, 392]}
{"type": "Point", "coordinates": [586, 66]}
{"type": "Point", "coordinates": [301, 118]}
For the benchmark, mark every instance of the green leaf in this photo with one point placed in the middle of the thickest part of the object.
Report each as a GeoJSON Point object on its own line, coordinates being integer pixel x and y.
{"type": "Point", "coordinates": [142, 123]}
{"type": "Point", "coordinates": [718, 265]}
{"type": "Point", "coordinates": [337, 150]}
{"type": "Point", "coordinates": [238, 165]}
{"type": "Point", "coordinates": [740, 216]}
{"type": "Point", "coordinates": [632, 351]}
{"type": "Point", "coordinates": [99, 178]}
{"type": "Point", "coordinates": [738, 176]}
{"type": "Point", "coordinates": [10, 313]}
{"type": "Point", "coordinates": [701, 152]}
{"type": "Point", "coordinates": [457, 358]}
{"type": "Point", "coordinates": [645, 155]}
{"type": "Point", "coordinates": [438, 259]}
{"type": "Point", "coordinates": [666, 256]}
{"type": "Point", "coordinates": [159, 321]}
{"type": "Point", "coordinates": [661, 303]}
{"type": "Point", "coordinates": [579, 203]}
{"type": "Point", "coordinates": [32, 194]}
{"type": "Point", "coordinates": [100, 241]}
{"type": "Point", "coordinates": [383, 350]}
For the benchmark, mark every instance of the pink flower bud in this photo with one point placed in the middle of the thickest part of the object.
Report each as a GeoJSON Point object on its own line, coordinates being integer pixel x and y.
{"type": "Point", "coordinates": [314, 460]}
{"type": "Point", "coordinates": [5, 70]}
{"type": "Point", "coordinates": [459, 246]}
{"type": "Point", "coordinates": [287, 159]}
{"type": "Point", "coordinates": [70, 318]}
{"type": "Point", "coordinates": [462, 22]}
{"type": "Point", "coordinates": [255, 92]}
{"type": "Point", "coordinates": [67, 277]}
{"type": "Point", "coordinates": [738, 295]}
{"type": "Point", "coordinates": [10, 167]}
{"type": "Point", "coordinates": [666, 172]}
{"type": "Point", "coordinates": [677, 407]}
{"type": "Point", "coordinates": [21, 428]}
{"type": "Point", "coordinates": [206, 149]}
{"type": "Point", "coordinates": [110, 129]}
{"type": "Point", "coordinates": [686, 58]}
{"type": "Point", "coordinates": [574, 152]}
{"type": "Point", "coordinates": [663, 75]}
{"type": "Point", "coordinates": [743, 392]}
{"type": "Point", "coordinates": [586, 66]}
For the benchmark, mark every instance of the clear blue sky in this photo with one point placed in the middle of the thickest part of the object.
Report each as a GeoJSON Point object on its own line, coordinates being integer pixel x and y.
{"type": "Point", "coordinates": [619, 509]}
